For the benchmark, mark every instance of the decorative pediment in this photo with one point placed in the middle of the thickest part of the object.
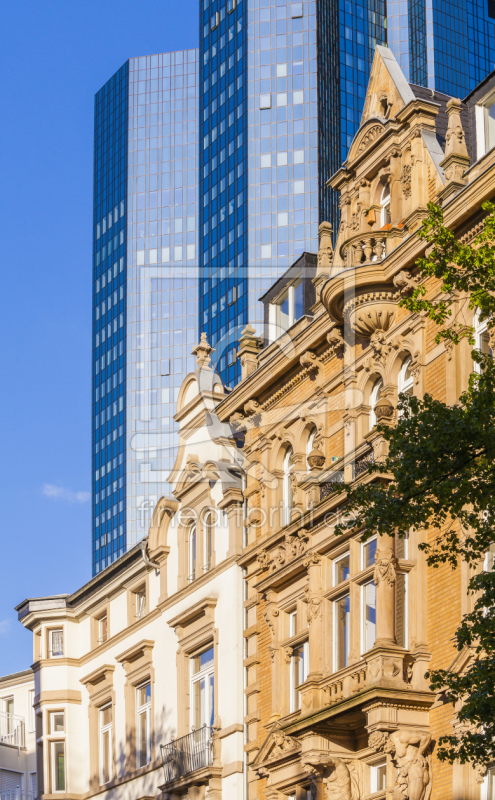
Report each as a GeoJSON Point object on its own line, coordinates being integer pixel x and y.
{"type": "Point", "coordinates": [293, 546]}
{"type": "Point", "coordinates": [365, 138]}
{"type": "Point", "coordinates": [277, 746]}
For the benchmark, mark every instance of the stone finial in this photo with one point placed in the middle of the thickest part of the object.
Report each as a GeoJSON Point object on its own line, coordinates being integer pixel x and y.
{"type": "Point", "coordinates": [325, 249]}
{"type": "Point", "coordinates": [316, 459]}
{"type": "Point", "coordinates": [456, 159]}
{"type": "Point", "coordinates": [249, 348]}
{"type": "Point", "coordinates": [384, 411]}
{"type": "Point", "coordinates": [455, 140]}
{"type": "Point", "coordinates": [203, 351]}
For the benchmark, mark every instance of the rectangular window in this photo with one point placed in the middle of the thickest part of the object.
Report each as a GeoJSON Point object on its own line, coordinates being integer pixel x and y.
{"type": "Point", "coordinates": [378, 777]}
{"type": "Point", "coordinates": [265, 101]}
{"type": "Point", "coordinates": [341, 569]}
{"type": "Point", "coordinates": [296, 10]}
{"type": "Point", "coordinates": [56, 643]}
{"type": "Point", "coordinates": [57, 722]}
{"type": "Point", "coordinates": [102, 629]}
{"type": "Point", "coordinates": [401, 615]}
{"type": "Point", "coordinates": [298, 673]}
{"type": "Point", "coordinates": [143, 706]}
{"type": "Point", "coordinates": [293, 623]}
{"type": "Point", "coordinates": [7, 725]}
{"type": "Point", "coordinates": [140, 602]}
{"type": "Point", "coordinates": [368, 553]}
{"type": "Point", "coordinates": [202, 689]}
{"type": "Point", "coordinates": [58, 766]}
{"type": "Point", "coordinates": [342, 612]}
{"type": "Point", "coordinates": [106, 731]}
{"type": "Point", "coordinates": [31, 713]}
{"type": "Point", "coordinates": [369, 616]}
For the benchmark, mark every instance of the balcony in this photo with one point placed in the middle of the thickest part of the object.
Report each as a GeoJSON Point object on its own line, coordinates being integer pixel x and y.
{"type": "Point", "coordinates": [11, 730]}
{"type": "Point", "coordinates": [187, 754]}
{"type": "Point", "coordinates": [15, 794]}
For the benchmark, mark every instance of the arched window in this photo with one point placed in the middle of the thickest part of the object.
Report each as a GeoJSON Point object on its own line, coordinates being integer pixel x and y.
{"type": "Point", "coordinates": [385, 215]}
{"type": "Point", "coordinates": [374, 398]}
{"type": "Point", "coordinates": [310, 445]}
{"type": "Point", "coordinates": [287, 498]}
{"type": "Point", "coordinates": [208, 541]}
{"type": "Point", "coordinates": [406, 380]}
{"type": "Point", "coordinates": [192, 545]}
{"type": "Point", "coordinates": [481, 338]}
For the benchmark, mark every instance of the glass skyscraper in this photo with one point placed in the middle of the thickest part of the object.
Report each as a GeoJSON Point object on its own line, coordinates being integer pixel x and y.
{"type": "Point", "coordinates": [145, 281]}
{"type": "Point", "coordinates": [210, 181]}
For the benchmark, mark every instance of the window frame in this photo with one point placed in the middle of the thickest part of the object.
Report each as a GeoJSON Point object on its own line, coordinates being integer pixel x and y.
{"type": "Point", "coordinates": [374, 398]}
{"type": "Point", "coordinates": [374, 772]}
{"type": "Point", "coordinates": [208, 674]}
{"type": "Point", "coordinates": [385, 198]}
{"type": "Point", "coordinates": [301, 666]}
{"type": "Point", "coordinates": [53, 768]}
{"type": "Point", "coordinates": [287, 493]}
{"type": "Point", "coordinates": [192, 552]}
{"type": "Point", "coordinates": [364, 645]}
{"type": "Point", "coordinates": [405, 386]}
{"type": "Point", "coordinates": [347, 636]}
{"type": "Point", "coordinates": [102, 730]}
{"type": "Point", "coordinates": [335, 561]}
{"type": "Point", "coordinates": [143, 710]}
{"type": "Point", "coordinates": [208, 541]}
{"type": "Point", "coordinates": [51, 633]}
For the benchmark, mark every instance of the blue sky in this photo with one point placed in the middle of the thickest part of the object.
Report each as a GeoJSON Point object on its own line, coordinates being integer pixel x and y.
{"type": "Point", "coordinates": [55, 55]}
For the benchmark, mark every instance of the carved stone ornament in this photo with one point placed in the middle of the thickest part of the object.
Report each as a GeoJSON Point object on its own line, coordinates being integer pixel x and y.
{"type": "Point", "coordinates": [369, 311]}
{"type": "Point", "coordinates": [314, 605]}
{"type": "Point", "coordinates": [310, 362]}
{"type": "Point", "coordinates": [385, 566]}
{"type": "Point", "coordinates": [344, 781]}
{"type": "Point", "coordinates": [316, 459]}
{"type": "Point", "coordinates": [270, 615]}
{"type": "Point", "coordinates": [369, 137]}
{"type": "Point", "coordinates": [263, 559]}
{"type": "Point", "coordinates": [405, 180]}
{"type": "Point", "coordinates": [336, 341]}
{"type": "Point", "coordinates": [202, 351]}
{"type": "Point", "coordinates": [405, 282]}
{"type": "Point", "coordinates": [293, 546]}
{"type": "Point", "coordinates": [282, 743]}
{"type": "Point", "coordinates": [409, 751]}
{"type": "Point", "coordinates": [384, 410]}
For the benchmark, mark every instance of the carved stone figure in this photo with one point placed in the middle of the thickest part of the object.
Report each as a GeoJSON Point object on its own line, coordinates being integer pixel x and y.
{"type": "Point", "coordinates": [343, 781]}
{"type": "Point", "coordinates": [408, 750]}
{"type": "Point", "coordinates": [384, 566]}
{"type": "Point", "coordinates": [282, 743]}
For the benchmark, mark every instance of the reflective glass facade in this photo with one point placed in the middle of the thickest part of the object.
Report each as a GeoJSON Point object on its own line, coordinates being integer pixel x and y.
{"type": "Point", "coordinates": [282, 86]}
{"type": "Point", "coordinates": [144, 288]}
{"type": "Point", "coordinates": [447, 45]}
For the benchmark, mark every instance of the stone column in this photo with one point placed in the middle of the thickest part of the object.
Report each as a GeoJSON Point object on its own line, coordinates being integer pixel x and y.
{"type": "Point", "coordinates": [385, 577]}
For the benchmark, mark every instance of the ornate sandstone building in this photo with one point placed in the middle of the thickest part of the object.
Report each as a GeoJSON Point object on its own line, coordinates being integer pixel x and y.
{"type": "Point", "coordinates": [340, 633]}
{"type": "Point", "coordinates": [243, 650]}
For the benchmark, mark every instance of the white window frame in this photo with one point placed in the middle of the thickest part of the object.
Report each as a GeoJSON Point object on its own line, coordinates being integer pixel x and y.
{"type": "Point", "coordinates": [374, 538]}
{"type": "Point", "coordinates": [53, 771]}
{"type": "Point", "coordinates": [479, 329]}
{"type": "Point", "coordinates": [192, 552]}
{"type": "Point", "coordinates": [335, 632]}
{"type": "Point", "coordinates": [364, 647]}
{"type": "Point", "coordinates": [374, 776]}
{"type": "Point", "coordinates": [484, 786]}
{"type": "Point", "coordinates": [208, 534]}
{"type": "Point", "coordinates": [406, 609]}
{"type": "Point", "coordinates": [205, 674]}
{"type": "Point", "coordinates": [102, 637]}
{"type": "Point", "coordinates": [31, 711]}
{"type": "Point", "coordinates": [287, 494]}
{"type": "Point", "coordinates": [51, 633]}
{"type": "Point", "coordinates": [374, 397]}
{"type": "Point", "coordinates": [405, 385]}
{"type": "Point", "coordinates": [303, 667]}
{"type": "Point", "coordinates": [334, 567]}
{"type": "Point", "coordinates": [102, 730]}
{"type": "Point", "coordinates": [143, 710]}
{"type": "Point", "coordinates": [384, 203]}
{"type": "Point", "coordinates": [274, 310]}
{"type": "Point", "coordinates": [139, 603]}
{"type": "Point", "coordinates": [293, 622]}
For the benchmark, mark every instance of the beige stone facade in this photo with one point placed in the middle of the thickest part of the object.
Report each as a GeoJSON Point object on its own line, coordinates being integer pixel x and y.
{"type": "Point", "coordinates": [17, 737]}
{"type": "Point", "coordinates": [340, 633]}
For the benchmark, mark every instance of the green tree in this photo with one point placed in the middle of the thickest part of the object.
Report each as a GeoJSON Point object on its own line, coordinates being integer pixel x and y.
{"type": "Point", "coordinates": [440, 475]}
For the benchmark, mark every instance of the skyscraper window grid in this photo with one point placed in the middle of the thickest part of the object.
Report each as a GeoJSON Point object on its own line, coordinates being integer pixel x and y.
{"type": "Point", "coordinates": [222, 176]}
{"type": "Point", "coordinates": [160, 287]}
{"type": "Point", "coordinates": [109, 274]}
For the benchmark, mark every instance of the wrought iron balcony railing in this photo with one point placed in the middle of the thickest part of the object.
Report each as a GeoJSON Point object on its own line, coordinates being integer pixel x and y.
{"type": "Point", "coordinates": [11, 729]}
{"type": "Point", "coordinates": [187, 754]}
